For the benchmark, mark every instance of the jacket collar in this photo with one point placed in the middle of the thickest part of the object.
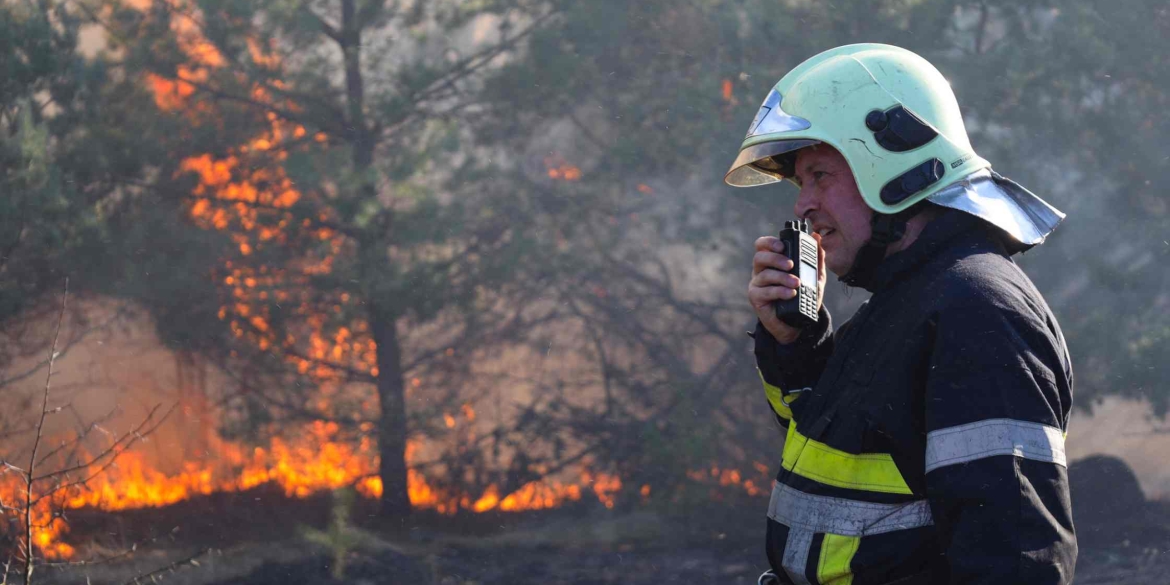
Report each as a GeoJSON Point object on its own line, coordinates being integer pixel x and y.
{"type": "Point", "coordinates": [938, 235]}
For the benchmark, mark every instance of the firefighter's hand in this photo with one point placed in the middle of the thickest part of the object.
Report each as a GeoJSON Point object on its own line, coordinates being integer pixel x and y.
{"type": "Point", "coordinates": [770, 283]}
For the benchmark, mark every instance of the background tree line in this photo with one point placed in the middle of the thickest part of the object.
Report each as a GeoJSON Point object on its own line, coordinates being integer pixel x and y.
{"type": "Point", "coordinates": [367, 212]}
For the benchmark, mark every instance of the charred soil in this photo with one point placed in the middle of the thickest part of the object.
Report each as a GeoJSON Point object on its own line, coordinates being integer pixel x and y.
{"type": "Point", "coordinates": [263, 537]}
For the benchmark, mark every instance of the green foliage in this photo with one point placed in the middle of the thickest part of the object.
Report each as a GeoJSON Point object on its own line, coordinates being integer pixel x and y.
{"type": "Point", "coordinates": [434, 172]}
{"type": "Point", "coordinates": [61, 157]}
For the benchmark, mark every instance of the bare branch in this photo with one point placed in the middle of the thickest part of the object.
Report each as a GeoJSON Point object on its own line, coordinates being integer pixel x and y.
{"type": "Point", "coordinates": [106, 559]}
{"type": "Point", "coordinates": [121, 312]}
{"type": "Point", "coordinates": [120, 446]}
{"type": "Point", "coordinates": [298, 412]}
{"type": "Point", "coordinates": [7, 569]}
{"type": "Point", "coordinates": [169, 568]}
{"type": "Point", "coordinates": [30, 477]}
{"type": "Point", "coordinates": [588, 133]}
{"type": "Point", "coordinates": [474, 62]}
{"type": "Point", "coordinates": [596, 338]}
{"type": "Point", "coordinates": [76, 442]}
{"type": "Point", "coordinates": [514, 323]}
{"type": "Point", "coordinates": [9, 433]}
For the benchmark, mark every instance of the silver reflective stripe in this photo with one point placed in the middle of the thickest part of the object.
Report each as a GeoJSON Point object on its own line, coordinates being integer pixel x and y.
{"type": "Point", "coordinates": [798, 510]}
{"type": "Point", "coordinates": [796, 550]}
{"type": "Point", "coordinates": [988, 438]}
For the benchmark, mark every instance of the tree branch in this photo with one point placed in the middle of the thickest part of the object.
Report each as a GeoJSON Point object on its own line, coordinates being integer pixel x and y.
{"type": "Point", "coordinates": [76, 442]}
{"type": "Point", "coordinates": [338, 127]}
{"type": "Point", "coordinates": [478, 60]}
{"type": "Point", "coordinates": [982, 27]}
{"type": "Point", "coordinates": [329, 29]}
{"type": "Point", "coordinates": [121, 312]}
{"type": "Point", "coordinates": [169, 568]}
{"type": "Point", "coordinates": [120, 446]}
{"type": "Point", "coordinates": [30, 477]}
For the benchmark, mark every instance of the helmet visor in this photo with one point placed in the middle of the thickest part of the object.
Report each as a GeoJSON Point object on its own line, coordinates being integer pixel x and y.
{"type": "Point", "coordinates": [762, 164]}
{"type": "Point", "coordinates": [765, 163]}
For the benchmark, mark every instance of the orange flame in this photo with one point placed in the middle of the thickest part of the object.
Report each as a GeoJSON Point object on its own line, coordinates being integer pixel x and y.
{"type": "Point", "coordinates": [559, 169]}
{"type": "Point", "coordinates": [317, 460]}
{"type": "Point", "coordinates": [727, 477]}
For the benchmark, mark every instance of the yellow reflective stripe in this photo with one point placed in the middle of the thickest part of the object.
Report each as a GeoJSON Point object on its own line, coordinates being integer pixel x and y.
{"type": "Point", "coordinates": [836, 553]}
{"type": "Point", "coordinates": [777, 398]}
{"type": "Point", "coordinates": [875, 472]}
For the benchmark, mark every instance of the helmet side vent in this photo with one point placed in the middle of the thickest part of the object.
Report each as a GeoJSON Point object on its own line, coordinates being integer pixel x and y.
{"type": "Point", "coordinates": [898, 129]}
{"type": "Point", "coordinates": [912, 181]}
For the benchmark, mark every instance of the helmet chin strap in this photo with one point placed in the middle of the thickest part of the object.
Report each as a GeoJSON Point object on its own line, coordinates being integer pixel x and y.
{"type": "Point", "coordinates": [885, 230]}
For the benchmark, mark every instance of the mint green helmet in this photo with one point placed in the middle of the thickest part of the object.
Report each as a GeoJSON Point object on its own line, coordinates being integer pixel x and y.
{"type": "Point", "coordinates": [889, 112]}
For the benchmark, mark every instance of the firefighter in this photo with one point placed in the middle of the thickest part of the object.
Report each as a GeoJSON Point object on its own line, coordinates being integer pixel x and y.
{"type": "Point", "coordinates": [925, 435]}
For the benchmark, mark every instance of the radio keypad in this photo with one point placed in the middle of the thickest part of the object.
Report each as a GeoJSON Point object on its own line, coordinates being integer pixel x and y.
{"type": "Point", "coordinates": [808, 301]}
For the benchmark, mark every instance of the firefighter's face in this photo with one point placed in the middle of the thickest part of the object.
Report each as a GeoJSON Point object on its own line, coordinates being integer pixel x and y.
{"type": "Point", "coordinates": [830, 200]}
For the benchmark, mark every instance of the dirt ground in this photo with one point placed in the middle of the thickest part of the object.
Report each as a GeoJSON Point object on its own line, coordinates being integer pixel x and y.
{"type": "Point", "coordinates": [291, 543]}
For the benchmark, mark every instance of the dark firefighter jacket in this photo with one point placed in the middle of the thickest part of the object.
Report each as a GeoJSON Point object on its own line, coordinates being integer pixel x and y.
{"type": "Point", "coordinates": [925, 437]}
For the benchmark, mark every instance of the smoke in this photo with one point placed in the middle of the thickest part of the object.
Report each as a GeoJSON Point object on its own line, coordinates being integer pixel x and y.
{"type": "Point", "coordinates": [110, 373]}
{"type": "Point", "coordinates": [1129, 430]}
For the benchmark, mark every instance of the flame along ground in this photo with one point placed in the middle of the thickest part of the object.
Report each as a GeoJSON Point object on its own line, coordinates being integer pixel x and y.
{"type": "Point", "coordinates": [317, 461]}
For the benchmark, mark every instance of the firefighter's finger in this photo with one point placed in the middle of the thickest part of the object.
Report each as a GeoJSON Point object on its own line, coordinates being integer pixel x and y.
{"type": "Point", "coordinates": [773, 277]}
{"type": "Point", "coordinates": [761, 296]}
{"type": "Point", "coordinates": [769, 244]}
{"type": "Point", "coordinates": [764, 260]}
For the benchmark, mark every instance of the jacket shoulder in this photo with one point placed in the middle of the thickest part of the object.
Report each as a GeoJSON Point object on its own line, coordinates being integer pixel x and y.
{"type": "Point", "coordinates": [983, 276]}
{"type": "Point", "coordinates": [984, 293]}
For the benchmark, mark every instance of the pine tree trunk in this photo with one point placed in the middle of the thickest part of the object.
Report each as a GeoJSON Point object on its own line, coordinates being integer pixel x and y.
{"type": "Point", "coordinates": [392, 421]}
{"type": "Point", "coordinates": [392, 429]}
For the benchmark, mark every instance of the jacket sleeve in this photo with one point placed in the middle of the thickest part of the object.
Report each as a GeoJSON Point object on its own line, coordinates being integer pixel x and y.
{"type": "Point", "coordinates": [788, 370]}
{"type": "Point", "coordinates": [997, 401]}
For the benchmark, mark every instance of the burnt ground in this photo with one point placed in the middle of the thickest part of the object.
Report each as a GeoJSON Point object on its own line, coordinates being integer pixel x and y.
{"type": "Point", "coordinates": [262, 538]}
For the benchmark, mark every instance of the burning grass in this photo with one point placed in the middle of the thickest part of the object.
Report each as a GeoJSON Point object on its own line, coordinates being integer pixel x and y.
{"type": "Point", "coordinates": [316, 461]}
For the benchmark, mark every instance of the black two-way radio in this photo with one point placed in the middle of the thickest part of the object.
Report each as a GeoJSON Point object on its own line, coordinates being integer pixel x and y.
{"type": "Point", "coordinates": [799, 245]}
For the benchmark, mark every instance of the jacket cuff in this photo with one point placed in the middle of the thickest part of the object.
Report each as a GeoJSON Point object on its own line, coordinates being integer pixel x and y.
{"type": "Point", "coordinates": [796, 365]}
